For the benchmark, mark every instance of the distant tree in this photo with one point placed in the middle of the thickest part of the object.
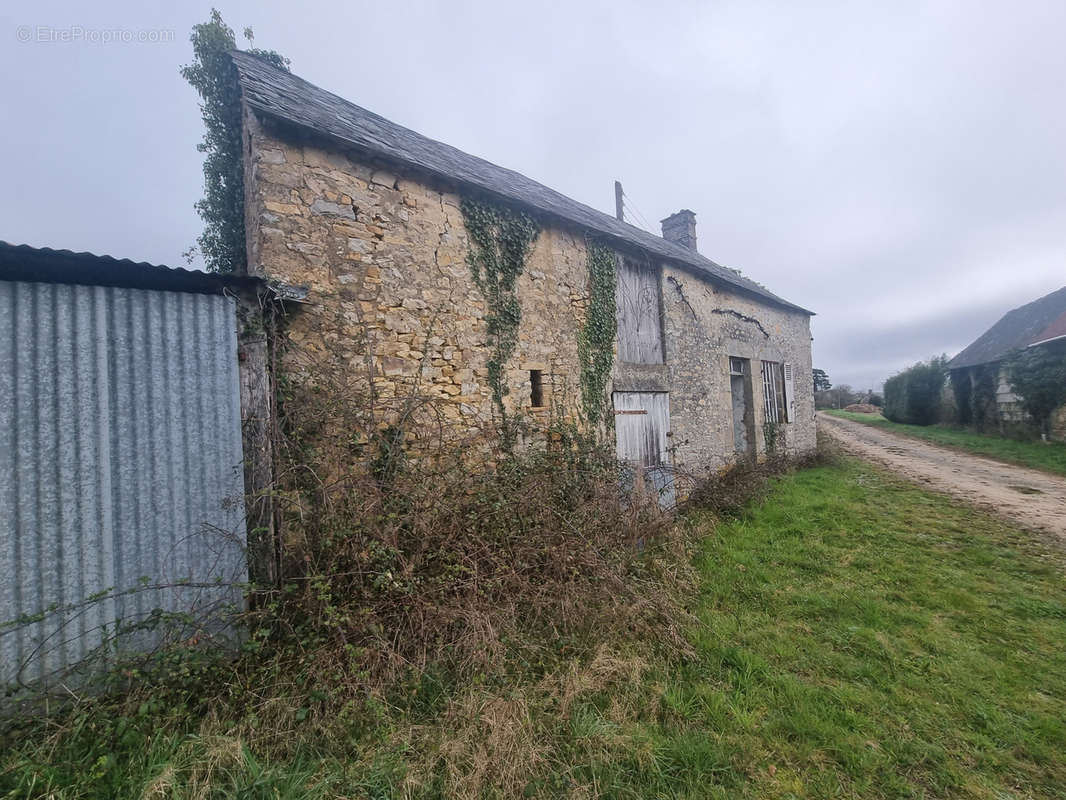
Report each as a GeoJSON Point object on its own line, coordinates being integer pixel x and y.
{"type": "Point", "coordinates": [821, 381]}
{"type": "Point", "coordinates": [214, 77]}
{"type": "Point", "coordinates": [1038, 376]}
{"type": "Point", "coordinates": [876, 399]}
{"type": "Point", "coordinates": [914, 395]}
{"type": "Point", "coordinates": [837, 397]}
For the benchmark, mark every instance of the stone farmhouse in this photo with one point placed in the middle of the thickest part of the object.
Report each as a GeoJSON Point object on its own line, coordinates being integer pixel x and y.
{"type": "Point", "coordinates": [979, 372]}
{"type": "Point", "coordinates": [366, 216]}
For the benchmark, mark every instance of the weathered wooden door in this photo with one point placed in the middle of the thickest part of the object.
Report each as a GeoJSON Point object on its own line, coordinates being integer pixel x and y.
{"type": "Point", "coordinates": [641, 423]}
{"type": "Point", "coordinates": [743, 418]}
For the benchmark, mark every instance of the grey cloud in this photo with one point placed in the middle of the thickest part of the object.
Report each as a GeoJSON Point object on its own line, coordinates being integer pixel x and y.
{"type": "Point", "coordinates": [897, 167]}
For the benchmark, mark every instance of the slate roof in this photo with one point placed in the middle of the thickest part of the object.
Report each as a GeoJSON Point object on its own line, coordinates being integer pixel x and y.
{"type": "Point", "coordinates": [284, 96]}
{"type": "Point", "coordinates": [20, 262]}
{"type": "Point", "coordinates": [1018, 328]}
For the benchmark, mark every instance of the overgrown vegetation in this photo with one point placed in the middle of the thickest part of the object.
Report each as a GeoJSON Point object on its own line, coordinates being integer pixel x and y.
{"type": "Point", "coordinates": [409, 587]}
{"type": "Point", "coordinates": [851, 635]}
{"type": "Point", "coordinates": [214, 77]}
{"type": "Point", "coordinates": [596, 340]}
{"type": "Point", "coordinates": [1049, 457]}
{"type": "Point", "coordinates": [501, 240]}
{"type": "Point", "coordinates": [914, 395]}
{"type": "Point", "coordinates": [1038, 376]}
{"type": "Point", "coordinates": [974, 391]}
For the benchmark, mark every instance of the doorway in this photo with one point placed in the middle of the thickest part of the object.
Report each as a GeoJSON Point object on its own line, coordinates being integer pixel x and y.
{"type": "Point", "coordinates": [642, 424]}
{"type": "Point", "coordinates": [743, 415]}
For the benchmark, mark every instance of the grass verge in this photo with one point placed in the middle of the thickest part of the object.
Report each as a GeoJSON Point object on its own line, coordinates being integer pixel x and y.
{"type": "Point", "coordinates": [1049, 457]}
{"type": "Point", "coordinates": [853, 636]}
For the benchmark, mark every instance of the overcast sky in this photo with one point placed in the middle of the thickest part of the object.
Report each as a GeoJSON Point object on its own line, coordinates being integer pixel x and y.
{"type": "Point", "coordinates": [898, 167]}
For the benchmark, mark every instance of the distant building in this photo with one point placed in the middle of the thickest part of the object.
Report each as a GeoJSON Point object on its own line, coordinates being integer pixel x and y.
{"type": "Point", "coordinates": [979, 370]}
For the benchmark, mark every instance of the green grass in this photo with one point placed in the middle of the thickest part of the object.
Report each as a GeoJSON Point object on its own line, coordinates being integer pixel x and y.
{"type": "Point", "coordinates": [1050, 457]}
{"type": "Point", "coordinates": [870, 639]}
{"type": "Point", "coordinates": [854, 636]}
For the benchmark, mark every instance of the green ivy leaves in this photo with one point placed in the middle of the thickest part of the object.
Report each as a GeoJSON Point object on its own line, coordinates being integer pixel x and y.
{"type": "Point", "coordinates": [501, 240]}
{"type": "Point", "coordinates": [596, 340]}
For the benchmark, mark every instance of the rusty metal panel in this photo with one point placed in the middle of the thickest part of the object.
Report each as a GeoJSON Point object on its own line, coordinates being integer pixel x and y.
{"type": "Point", "coordinates": [120, 466]}
{"type": "Point", "coordinates": [640, 330]}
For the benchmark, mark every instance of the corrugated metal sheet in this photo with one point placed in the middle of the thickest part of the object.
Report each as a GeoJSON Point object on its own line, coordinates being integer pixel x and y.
{"type": "Point", "coordinates": [120, 464]}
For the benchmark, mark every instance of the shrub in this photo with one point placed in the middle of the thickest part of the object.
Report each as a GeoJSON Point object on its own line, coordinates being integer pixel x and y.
{"type": "Point", "coordinates": [727, 491]}
{"type": "Point", "coordinates": [962, 388]}
{"type": "Point", "coordinates": [974, 392]}
{"type": "Point", "coordinates": [1038, 376]}
{"type": "Point", "coordinates": [914, 395]}
{"type": "Point", "coordinates": [214, 77]}
{"type": "Point", "coordinates": [466, 569]}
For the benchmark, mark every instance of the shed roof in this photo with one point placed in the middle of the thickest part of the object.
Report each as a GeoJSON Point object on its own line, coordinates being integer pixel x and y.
{"type": "Point", "coordinates": [45, 265]}
{"type": "Point", "coordinates": [1018, 328]}
{"type": "Point", "coordinates": [284, 96]}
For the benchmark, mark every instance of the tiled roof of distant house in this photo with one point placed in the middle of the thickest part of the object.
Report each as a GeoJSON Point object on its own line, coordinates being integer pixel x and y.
{"type": "Point", "coordinates": [1056, 330]}
{"type": "Point", "coordinates": [1018, 328]}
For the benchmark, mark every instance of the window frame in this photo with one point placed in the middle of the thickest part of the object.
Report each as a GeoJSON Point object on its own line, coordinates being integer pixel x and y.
{"type": "Point", "coordinates": [773, 388]}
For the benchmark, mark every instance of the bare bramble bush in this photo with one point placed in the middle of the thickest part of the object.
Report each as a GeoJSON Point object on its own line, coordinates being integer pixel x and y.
{"type": "Point", "coordinates": [404, 550]}
{"type": "Point", "coordinates": [446, 613]}
{"type": "Point", "coordinates": [727, 491]}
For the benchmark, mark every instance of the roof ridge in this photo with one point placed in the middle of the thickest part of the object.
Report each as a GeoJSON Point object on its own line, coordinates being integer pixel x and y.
{"type": "Point", "coordinates": [1016, 328]}
{"type": "Point", "coordinates": [293, 99]}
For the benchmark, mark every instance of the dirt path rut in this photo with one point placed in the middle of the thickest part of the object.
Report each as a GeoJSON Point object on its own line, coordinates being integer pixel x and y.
{"type": "Point", "coordinates": [1024, 496]}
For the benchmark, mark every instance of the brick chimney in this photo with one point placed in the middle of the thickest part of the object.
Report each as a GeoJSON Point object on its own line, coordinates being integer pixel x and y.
{"type": "Point", "coordinates": [680, 228]}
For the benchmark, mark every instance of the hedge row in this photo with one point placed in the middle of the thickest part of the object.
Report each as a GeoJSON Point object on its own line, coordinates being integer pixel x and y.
{"type": "Point", "coordinates": [913, 396]}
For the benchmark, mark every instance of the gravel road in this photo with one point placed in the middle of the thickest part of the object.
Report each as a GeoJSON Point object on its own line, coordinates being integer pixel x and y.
{"type": "Point", "coordinates": [1028, 497]}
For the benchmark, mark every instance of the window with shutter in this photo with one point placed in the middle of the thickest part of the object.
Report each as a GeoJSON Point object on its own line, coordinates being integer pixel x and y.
{"type": "Point", "coordinates": [775, 404]}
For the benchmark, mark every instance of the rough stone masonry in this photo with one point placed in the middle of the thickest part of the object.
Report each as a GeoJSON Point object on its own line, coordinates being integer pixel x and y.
{"type": "Point", "coordinates": [381, 247]}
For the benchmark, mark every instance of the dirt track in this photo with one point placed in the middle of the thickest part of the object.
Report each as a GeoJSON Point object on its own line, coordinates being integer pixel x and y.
{"type": "Point", "coordinates": [1025, 496]}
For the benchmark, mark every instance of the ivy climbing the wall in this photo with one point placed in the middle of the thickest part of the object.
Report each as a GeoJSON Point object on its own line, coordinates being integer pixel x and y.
{"type": "Point", "coordinates": [501, 240]}
{"type": "Point", "coordinates": [596, 340]}
{"type": "Point", "coordinates": [214, 77]}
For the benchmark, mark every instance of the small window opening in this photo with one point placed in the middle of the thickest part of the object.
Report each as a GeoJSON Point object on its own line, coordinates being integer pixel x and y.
{"type": "Point", "coordinates": [536, 388]}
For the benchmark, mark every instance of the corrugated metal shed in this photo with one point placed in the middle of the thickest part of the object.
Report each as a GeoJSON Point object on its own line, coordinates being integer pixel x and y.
{"type": "Point", "coordinates": [20, 262]}
{"type": "Point", "coordinates": [120, 461]}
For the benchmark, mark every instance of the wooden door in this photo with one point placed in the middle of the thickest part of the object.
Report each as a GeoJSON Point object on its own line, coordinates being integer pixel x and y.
{"type": "Point", "coordinates": [641, 423]}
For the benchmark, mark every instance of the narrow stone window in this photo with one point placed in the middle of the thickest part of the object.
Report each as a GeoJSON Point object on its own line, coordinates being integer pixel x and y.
{"type": "Point", "coordinates": [536, 388]}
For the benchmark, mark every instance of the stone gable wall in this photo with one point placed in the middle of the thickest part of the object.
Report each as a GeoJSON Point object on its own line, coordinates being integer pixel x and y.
{"type": "Point", "coordinates": [384, 258]}
{"type": "Point", "coordinates": [383, 254]}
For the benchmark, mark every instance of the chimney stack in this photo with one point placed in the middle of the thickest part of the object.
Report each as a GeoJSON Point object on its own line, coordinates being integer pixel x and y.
{"type": "Point", "coordinates": [680, 228]}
